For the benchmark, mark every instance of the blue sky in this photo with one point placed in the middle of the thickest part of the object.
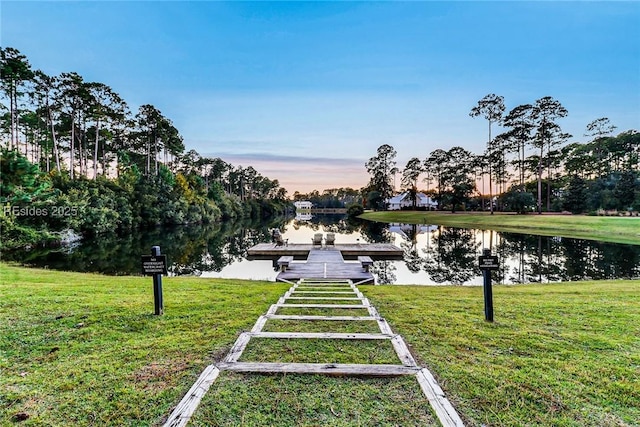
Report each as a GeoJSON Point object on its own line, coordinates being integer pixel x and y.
{"type": "Point", "coordinates": [307, 91]}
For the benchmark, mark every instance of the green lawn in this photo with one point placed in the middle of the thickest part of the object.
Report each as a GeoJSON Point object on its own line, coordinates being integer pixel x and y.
{"type": "Point", "coordinates": [608, 229]}
{"type": "Point", "coordinates": [85, 349]}
{"type": "Point", "coordinates": [561, 354]}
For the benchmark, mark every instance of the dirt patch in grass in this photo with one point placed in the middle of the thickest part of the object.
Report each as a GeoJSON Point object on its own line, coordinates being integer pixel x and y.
{"type": "Point", "coordinates": [158, 375]}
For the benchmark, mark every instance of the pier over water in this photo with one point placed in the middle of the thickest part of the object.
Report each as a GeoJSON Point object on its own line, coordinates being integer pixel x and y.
{"type": "Point", "coordinates": [340, 261]}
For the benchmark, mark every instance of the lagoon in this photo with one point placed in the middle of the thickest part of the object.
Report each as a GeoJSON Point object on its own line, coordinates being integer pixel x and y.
{"type": "Point", "coordinates": [433, 254]}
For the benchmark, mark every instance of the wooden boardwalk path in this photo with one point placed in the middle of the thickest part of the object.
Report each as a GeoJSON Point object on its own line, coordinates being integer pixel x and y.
{"type": "Point", "coordinates": [338, 290]}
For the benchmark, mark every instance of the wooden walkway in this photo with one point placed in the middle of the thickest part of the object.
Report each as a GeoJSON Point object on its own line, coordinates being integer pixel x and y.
{"type": "Point", "coordinates": [324, 263]}
{"type": "Point", "coordinates": [326, 290]}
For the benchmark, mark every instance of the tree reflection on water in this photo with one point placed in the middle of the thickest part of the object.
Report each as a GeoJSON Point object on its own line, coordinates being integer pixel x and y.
{"type": "Point", "coordinates": [431, 254]}
{"type": "Point", "coordinates": [452, 257]}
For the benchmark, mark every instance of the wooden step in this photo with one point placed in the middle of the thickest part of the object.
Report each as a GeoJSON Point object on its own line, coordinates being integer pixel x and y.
{"type": "Point", "coordinates": [320, 306]}
{"type": "Point", "coordinates": [312, 317]}
{"type": "Point", "coordinates": [320, 368]}
{"type": "Point", "coordinates": [321, 335]}
{"type": "Point", "coordinates": [327, 298]}
{"type": "Point", "coordinates": [320, 286]}
{"type": "Point", "coordinates": [298, 291]}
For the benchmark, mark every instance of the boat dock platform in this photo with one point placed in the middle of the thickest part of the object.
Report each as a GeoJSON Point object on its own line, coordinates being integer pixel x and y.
{"type": "Point", "coordinates": [325, 262]}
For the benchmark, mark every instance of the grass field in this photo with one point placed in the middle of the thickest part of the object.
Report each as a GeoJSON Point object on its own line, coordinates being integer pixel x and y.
{"type": "Point", "coordinates": [561, 354]}
{"type": "Point", "coordinates": [607, 229]}
{"type": "Point", "coordinates": [85, 349]}
{"type": "Point", "coordinates": [81, 349]}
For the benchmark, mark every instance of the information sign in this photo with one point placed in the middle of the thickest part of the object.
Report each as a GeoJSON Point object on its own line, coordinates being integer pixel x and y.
{"type": "Point", "coordinates": [154, 264]}
{"type": "Point", "coordinates": [488, 262]}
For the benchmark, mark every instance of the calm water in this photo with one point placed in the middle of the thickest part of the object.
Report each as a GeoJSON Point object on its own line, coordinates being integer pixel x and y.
{"type": "Point", "coordinates": [432, 254]}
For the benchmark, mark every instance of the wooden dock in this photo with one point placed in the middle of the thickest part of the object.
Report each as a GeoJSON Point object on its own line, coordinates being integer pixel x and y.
{"type": "Point", "coordinates": [325, 263]}
{"type": "Point", "coordinates": [349, 251]}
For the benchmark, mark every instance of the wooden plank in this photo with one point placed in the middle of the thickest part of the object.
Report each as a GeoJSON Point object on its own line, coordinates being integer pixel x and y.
{"type": "Point", "coordinates": [384, 326]}
{"type": "Point", "coordinates": [321, 368]}
{"type": "Point", "coordinates": [327, 298]}
{"type": "Point", "coordinates": [238, 347]}
{"type": "Point", "coordinates": [259, 324]}
{"type": "Point", "coordinates": [368, 281]}
{"type": "Point", "coordinates": [324, 292]}
{"type": "Point", "coordinates": [321, 335]}
{"type": "Point", "coordinates": [273, 308]}
{"type": "Point", "coordinates": [324, 287]}
{"type": "Point", "coordinates": [333, 283]}
{"type": "Point", "coordinates": [371, 309]}
{"type": "Point", "coordinates": [325, 282]}
{"type": "Point", "coordinates": [312, 317]}
{"type": "Point", "coordinates": [189, 403]}
{"type": "Point", "coordinates": [321, 306]}
{"type": "Point", "coordinates": [445, 412]}
{"type": "Point", "coordinates": [403, 351]}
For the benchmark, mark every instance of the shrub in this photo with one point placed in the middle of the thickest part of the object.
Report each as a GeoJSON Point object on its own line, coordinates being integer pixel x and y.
{"type": "Point", "coordinates": [355, 210]}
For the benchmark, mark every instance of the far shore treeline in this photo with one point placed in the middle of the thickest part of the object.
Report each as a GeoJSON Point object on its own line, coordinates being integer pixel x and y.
{"type": "Point", "coordinates": [73, 157]}
{"type": "Point", "coordinates": [530, 167]}
{"type": "Point", "coordinates": [75, 160]}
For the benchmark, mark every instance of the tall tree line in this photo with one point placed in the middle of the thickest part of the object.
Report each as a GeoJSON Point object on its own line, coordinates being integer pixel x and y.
{"type": "Point", "coordinates": [529, 164]}
{"type": "Point", "coordinates": [86, 130]}
{"type": "Point", "coordinates": [74, 146]}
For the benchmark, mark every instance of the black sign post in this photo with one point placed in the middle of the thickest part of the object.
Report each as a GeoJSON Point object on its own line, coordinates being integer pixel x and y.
{"type": "Point", "coordinates": [488, 263]}
{"type": "Point", "coordinates": [156, 265]}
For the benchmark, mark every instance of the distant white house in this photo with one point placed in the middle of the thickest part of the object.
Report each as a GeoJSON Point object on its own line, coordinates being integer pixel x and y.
{"type": "Point", "coordinates": [404, 201]}
{"type": "Point", "coordinates": [303, 205]}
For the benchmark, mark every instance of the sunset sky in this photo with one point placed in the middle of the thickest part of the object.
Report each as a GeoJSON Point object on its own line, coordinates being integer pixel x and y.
{"type": "Point", "coordinates": [306, 91]}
